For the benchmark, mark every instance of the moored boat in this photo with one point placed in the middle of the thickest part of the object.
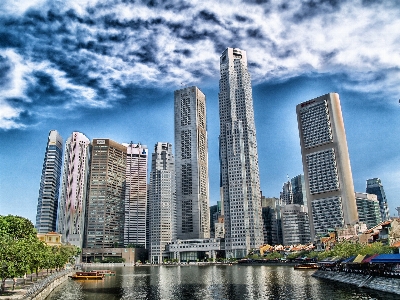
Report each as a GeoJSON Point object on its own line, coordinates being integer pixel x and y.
{"type": "Point", "coordinates": [105, 272]}
{"type": "Point", "coordinates": [306, 266]}
{"type": "Point", "coordinates": [87, 276]}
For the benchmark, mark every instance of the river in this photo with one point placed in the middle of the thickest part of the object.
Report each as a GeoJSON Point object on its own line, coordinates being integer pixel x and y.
{"type": "Point", "coordinates": [211, 282]}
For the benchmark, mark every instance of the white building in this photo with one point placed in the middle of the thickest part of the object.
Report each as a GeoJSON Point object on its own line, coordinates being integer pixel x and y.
{"type": "Point", "coordinates": [135, 195]}
{"type": "Point", "coordinates": [368, 209]}
{"type": "Point", "coordinates": [327, 172]}
{"type": "Point", "coordinates": [191, 164]}
{"type": "Point", "coordinates": [162, 202]}
{"type": "Point", "coordinates": [287, 193]}
{"type": "Point", "coordinates": [72, 206]}
{"type": "Point", "coordinates": [46, 215]}
{"type": "Point", "coordinates": [194, 249]}
{"type": "Point", "coordinates": [238, 156]}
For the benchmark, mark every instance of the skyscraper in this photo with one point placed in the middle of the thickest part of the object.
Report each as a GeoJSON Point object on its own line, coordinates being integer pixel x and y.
{"type": "Point", "coordinates": [299, 190]}
{"type": "Point", "coordinates": [105, 203]}
{"type": "Point", "coordinates": [326, 164]}
{"type": "Point", "coordinates": [374, 186]}
{"type": "Point", "coordinates": [287, 193]}
{"type": "Point", "coordinates": [71, 217]}
{"type": "Point", "coordinates": [368, 209]}
{"type": "Point", "coordinates": [46, 216]}
{"type": "Point", "coordinates": [191, 164]}
{"type": "Point", "coordinates": [295, 224]}
{"type": "Point", "coordinates": [162, 202]}
{"type": "Point", "coordinates": [240, 179]}
{"type": "Point", "coordinates": [135, 195]}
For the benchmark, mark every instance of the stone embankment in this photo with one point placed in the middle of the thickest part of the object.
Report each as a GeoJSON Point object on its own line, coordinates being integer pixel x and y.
{"type": "Point", "coordinates": [384, 284]}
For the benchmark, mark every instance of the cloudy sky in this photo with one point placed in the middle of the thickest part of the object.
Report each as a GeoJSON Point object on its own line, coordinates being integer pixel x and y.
{"type": "Point", "coordinates": [109, 69]}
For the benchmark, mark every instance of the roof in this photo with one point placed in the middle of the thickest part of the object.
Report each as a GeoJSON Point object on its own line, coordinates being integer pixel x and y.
{"type": "Point", "coordinates": [348, 260]}
{"type": "Point", "coordinates": [386, 258]}
{"type": "Point", "coordinates": [359, 259]}
{"type": "Point", "coordinates": [397, 244]}
{"type": "Point", "coordinates": [368, 259]}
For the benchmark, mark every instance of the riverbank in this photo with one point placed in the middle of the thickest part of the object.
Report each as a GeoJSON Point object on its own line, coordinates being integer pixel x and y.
{"type": "Point", "coordinates": [384, 284]}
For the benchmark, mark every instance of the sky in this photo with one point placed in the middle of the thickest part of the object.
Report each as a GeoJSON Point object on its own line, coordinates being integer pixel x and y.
{"type": "Point", "coordinates": [109, 69]}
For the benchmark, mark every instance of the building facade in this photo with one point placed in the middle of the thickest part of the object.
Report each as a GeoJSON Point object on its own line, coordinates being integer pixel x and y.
{"type": "Point", "coordinates": [191, 164]}
{"type": "Point", "coordinates": [135, 195]}
{"type": "Point", "coordinates": [46, 215]}
{"type": "Point", "coordinates": [272, 221]}
{"type": "Point", "coordinates": [327, 172]}
{"type": "Point", "coordinates": [240, 181]}
{"type": "Point", "coordinates": [105, 204]}
{"type": "Point", "coordinates": [299, 190]}
{"type": "Point", "coordinates": [368, 209]}
{"type": "Point", "coordinates": [295, 224]}
{"type": "Point", "coordinates": [72, 206]}
{"type": "Point", "coordinates": [162, 202]}
{"type": "Point", "coordinates": [287, 193]}
{"type": "Point", "coordinates": [374, 186]}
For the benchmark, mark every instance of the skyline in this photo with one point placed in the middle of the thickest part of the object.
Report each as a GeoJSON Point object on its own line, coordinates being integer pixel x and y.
{"type": "Point", "coordinates": [109, 71]}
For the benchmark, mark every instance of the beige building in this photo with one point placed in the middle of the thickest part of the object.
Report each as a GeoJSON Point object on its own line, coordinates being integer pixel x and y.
{"type": "Point", "coordinates": [50, 238]}
{"type": "Point", "coordinates": [326, 164]}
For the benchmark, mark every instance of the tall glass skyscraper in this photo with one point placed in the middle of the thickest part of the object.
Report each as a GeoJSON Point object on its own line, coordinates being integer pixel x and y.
{"type": "Point", "coordinates": [327, 172]}
{"type": "Point", "coordinates": [240, 181]}
{"type": "Point", "coordinates": [135, 195]}
{"type": "Point", "coordinates": [374, 186]}
{"type": "Point", "coordinates": [71, 216]}
{"type": "Point", "coordinates": [191, 164]}
{"type": "Point", "coordinates": [162, 202]}
{"type": "Point", "coordinates": [46, 216]}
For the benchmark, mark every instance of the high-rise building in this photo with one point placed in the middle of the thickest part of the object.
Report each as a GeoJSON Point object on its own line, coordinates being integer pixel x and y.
{"type": "Point", "coordinates": [191, 164]}
{"type": "Point", "coordinates": [287, 193]}
{"type": "Point", "coordinates": [272, 225]}
{"type": "Point", "coordinates": [135, 195]}
{"type": "Point", "coordinates": [71, 217]}
{"type": "Point", "coordinates": [105, 203]}
{"type": "Point", "coordinates": [299, 190]}
{"type": "Point", "coordinates": [162, 202]}
{"type": "Point", "coordinates": [326, 164]}
{"type": "Point", "coordinates": [374, 186]}
{"type": "Point", "coordinates": [46, 216]}
{"type": "Point", "coordinates": [295, 224]}
{"type": "Point", "coordinates": [240, 180]}
{"type": "Point", "coordinates": [368, 209]}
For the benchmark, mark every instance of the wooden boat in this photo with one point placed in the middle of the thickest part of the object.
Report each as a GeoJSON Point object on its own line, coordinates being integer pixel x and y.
{"type": "Point", "coordinates": [105, 272]}
{"type": "Point", "coordinates": [305, 266]}
{"type": "Point", "coordinates": [87, 276]}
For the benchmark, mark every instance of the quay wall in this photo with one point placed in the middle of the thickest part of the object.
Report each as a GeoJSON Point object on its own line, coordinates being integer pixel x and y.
{"type": "Point", "coordinates": [384, 284]}
{"type": "Point", "coordinates": [43, 292]}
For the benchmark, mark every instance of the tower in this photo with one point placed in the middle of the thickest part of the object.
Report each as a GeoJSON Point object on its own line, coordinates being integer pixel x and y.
{"type": "Point", "coordinates": [46, 216]}
{"type": "Point", "coordinates": [326, 164]}
{"type": "Point", "coordinates": [240, 181]}
{"type": "Point", "coordinates": [71, 218]}
{"type": "Point", "coordinates": [374, 186]}
{"type": "Point", "coordinates": [135, 195]}
{"type": "Point", "coordinates": [191, 164]}
{"type": "Point", "coordinates": [162, 202]}
{"type": "Point", "coordinates": [105, 203]}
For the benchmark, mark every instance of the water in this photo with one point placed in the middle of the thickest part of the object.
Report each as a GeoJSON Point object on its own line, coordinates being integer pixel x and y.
{"type": "Point", "coordinates": [211, 282]}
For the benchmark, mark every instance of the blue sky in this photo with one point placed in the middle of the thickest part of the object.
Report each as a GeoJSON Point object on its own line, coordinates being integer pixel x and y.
{"type": "Point", "coordinates": [109, 69]}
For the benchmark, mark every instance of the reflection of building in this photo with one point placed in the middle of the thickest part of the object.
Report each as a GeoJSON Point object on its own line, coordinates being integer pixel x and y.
{"type": "Point", "coordinates": [46, 216]}
{"type": "Point", "coordinates": [191, 164]}
{"type": "Point", "coordinates": [368, 209]}
{"type": "Point", "coordinates": [240, 179]}
{"type": "Point", "coordinates": [162, 202]}
{"type": "Point", "coordinates": [326, 164]}
{"type": "Point", "coordinates": [105, 203]}
{"type": "Point", "coordinates": [374, 186]}
{"type": "Point", "coordinates": [50, 238]}
{"type": "Point", "coordinates": [135, 195]}
{"type": "Point", "coordinates": [295, 224]}
{"type": "Point", "coordinates": [71, 217]}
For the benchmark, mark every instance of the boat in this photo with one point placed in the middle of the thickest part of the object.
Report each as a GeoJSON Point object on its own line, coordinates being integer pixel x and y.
{"type": "Point", "coordinates": [306, 266]}
{"type": "Point", "coordinates": [105, 272]}
{"type": "Point", "coordinates": [87, 276]}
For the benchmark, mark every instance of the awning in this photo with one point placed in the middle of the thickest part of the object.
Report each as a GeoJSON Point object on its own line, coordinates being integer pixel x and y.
{"type": "Point", "coordinates": [386, 258]}
{"type": "Point", "coordinates": [368, 259]}
{"type": "Point", "coordinates": [358, 259]}
{"type": "Point", "coordinates": [348, 260]}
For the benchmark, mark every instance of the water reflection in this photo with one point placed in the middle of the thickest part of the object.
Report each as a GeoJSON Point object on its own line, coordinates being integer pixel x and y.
{"type": "Point", "coordinates": [211, 282]}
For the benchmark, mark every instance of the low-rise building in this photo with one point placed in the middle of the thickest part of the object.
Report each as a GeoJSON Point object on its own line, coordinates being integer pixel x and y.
{"type": "Point", "coordinates": [50, 238]}
{"type": "Point", "coordinates": [194, 249]}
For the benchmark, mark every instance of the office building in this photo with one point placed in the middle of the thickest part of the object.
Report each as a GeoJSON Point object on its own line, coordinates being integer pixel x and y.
{"type": "Point", "coordinates": [135, 195]}
{"type": "Point", "coordinates": [240, 180]}
{"type": "Point", "coordinates": [368, 209]}
{"type": "Point", "coordinates": [295, 224]}
{"type": "Point", "coordinates": [105, 203]}
{"type": "Point", "coordinates": [71, 216]}
{"type": "Point", "coordinates": [287, 193]}
{"type": "Point", "coordinates": [162, 202]}
{"type": "Point", "coordinates": [46, 215]}
{"type": "Point", "coordinates": [374, 186]}
{"type": "Point", "coordinates": [327, 172]}
{"type": "Point", "coordinates": [299, 190]}
{"type": "Point", "coordinates": [191, 164]}
{"type": "Point", "coordinates": [272, 223]}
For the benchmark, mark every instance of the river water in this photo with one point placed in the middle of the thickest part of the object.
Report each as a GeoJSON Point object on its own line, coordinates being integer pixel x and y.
{"type": "Point", "coordinates": [211, 282]}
